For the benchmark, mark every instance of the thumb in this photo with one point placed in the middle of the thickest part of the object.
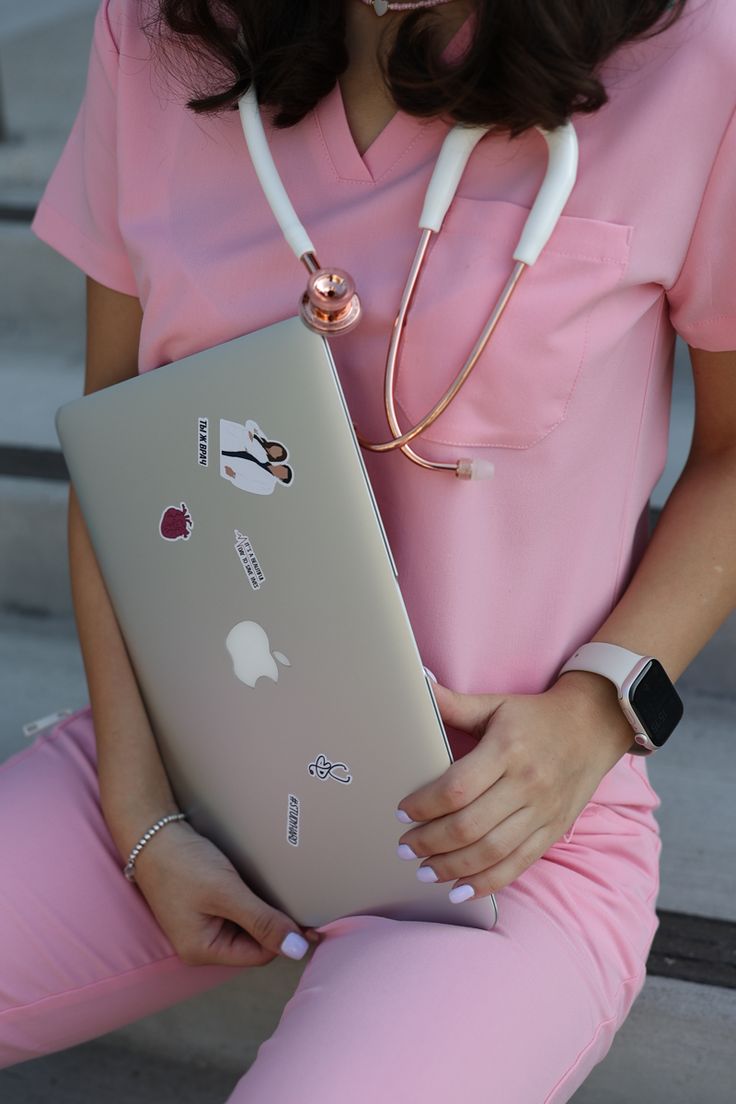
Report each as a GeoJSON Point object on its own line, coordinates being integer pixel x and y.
{"type": "Point", "coordinates": [466, 712]}
{"type": "Point", "coordinates": [271, 928]}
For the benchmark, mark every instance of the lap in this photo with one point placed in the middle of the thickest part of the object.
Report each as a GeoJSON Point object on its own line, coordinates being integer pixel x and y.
{"type": "Point", "coordinates": [394, 1009]}
{"type": "Point", "coordinates": [382, 1005]}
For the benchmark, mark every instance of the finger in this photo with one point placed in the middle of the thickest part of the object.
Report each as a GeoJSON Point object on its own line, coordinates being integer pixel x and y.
{"type": "Point", "coordinates": [475, 822]}
{"type": "Point", "coordinates": [467, 712]}
{"type": "Point", "coordinates": [271, 928]}
{"type": "Point", "coordinates": [463, 781]}
{"type": "Point", "coordinates": [486, 851]}
{"type": "Point", "coordinates": [225, 943]}
{"type": "Point", "coordinates": [500, 875]}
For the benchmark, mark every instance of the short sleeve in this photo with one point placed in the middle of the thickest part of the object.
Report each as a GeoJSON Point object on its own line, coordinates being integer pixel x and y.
{"type": "Point", "coordinates": [703, 298]}
{"type": "Point", "coordinates": [78, 211]}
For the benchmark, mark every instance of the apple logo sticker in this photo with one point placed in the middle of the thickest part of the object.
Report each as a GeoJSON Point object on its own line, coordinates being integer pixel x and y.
{"type": "Point", "coordinates": [247, 643]}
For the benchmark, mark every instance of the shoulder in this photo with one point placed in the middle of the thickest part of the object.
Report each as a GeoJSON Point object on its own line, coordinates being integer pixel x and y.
{"type": "Point", "coordinates": [125, 19]}
{"type": "Point", "coordinates": [707, 31]}
{"type": "Point", "coordinates": [127, 34]}
{"type": "Point", "coordinates": [700, 46]}
{"type": "Point", "coordinates": [687, 71]}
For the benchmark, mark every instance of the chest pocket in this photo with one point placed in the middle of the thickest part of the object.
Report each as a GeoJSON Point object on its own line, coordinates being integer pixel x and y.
{"type": "Point", "coordinates": [521, 385]}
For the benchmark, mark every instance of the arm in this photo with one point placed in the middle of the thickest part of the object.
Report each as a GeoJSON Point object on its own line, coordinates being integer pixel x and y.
{"type": "Point", "coordinates": [540, 756]}
{"type": "Point", "coordinates": [134, 789]}
{"type": "Point", "coordinates": [685, 584]}
{"type": "Point", "coordinates": [200, 901]}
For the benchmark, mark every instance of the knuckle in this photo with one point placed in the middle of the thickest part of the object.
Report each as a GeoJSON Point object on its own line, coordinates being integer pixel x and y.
{"type": "Point", "coordinates": [493, 850]}
{"type": "Point", "coordinates": [453, 792]}
{"type": "Point", "coordinates": [464, 865]}
{"type": "Point", "coordinates": [506, 741]}
{"type": "Point", "coordinates": [530, 773]}
{"type": "Point", "coordinates": [265, 927]}
{"type": "Point", "coordinates": [462, 828]}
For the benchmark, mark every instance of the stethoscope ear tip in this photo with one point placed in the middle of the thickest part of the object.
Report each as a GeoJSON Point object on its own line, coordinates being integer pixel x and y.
{"type": "Point", "coordinates": [475, 469]}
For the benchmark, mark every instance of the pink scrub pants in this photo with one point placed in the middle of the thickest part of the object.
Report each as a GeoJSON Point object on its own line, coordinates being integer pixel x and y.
{"type": "Point", "coordinates": [385, 1010]}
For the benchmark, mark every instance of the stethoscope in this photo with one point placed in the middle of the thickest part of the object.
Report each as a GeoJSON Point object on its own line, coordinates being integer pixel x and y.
{"type": "Point", "coordinates": [330, 305]}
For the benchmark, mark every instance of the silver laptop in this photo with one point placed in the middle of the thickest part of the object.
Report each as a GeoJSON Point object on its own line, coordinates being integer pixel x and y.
{"type": "Point", "coordinates": [236, 530]}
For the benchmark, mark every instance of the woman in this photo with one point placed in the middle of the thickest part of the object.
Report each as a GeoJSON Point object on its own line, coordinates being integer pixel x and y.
{"type": "Point", "coordinates": [158, 204]}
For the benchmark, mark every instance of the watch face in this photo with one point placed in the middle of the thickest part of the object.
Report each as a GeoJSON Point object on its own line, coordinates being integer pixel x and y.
{"type": "Point", "coordinates": [656, 702]}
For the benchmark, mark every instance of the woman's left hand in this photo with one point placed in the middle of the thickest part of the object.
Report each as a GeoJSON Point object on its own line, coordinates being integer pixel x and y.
{"type": "Point", "coordinates": [538, 760]}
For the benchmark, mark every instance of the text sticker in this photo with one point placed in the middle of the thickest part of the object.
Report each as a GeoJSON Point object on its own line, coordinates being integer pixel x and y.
{"type": "Point", "coordinates": [249, 560]}
{"type": "Point", "coordinates": [202, 441]}
{"type": "Point", "coordinates": [292, 821]}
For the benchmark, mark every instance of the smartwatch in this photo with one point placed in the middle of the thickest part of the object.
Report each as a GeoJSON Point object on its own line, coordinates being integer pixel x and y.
{"type": "Point", "coordinates": [646, 695]}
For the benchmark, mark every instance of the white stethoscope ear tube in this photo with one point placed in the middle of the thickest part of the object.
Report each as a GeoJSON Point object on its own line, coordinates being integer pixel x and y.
{"type": "Point", "coordinates": [559, 180]}
{"type": "Point", "coordinates": [458, 145]}
{"type": "Point", "coordinates": [454, 156]}
{"type": "Point", "coordinates": [267, 173]}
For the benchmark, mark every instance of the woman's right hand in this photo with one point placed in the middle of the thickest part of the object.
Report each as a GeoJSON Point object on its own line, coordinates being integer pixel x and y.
{"type": "Point", "coordinates": [205, 908]}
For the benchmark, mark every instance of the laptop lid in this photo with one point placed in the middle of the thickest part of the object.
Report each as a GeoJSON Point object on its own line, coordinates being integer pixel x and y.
{"type": "Point", "coordinates": [235, 527]}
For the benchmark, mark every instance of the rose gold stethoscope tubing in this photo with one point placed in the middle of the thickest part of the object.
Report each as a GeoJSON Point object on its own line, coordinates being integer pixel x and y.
{"type": "Point", "coordinates": [399, 439]}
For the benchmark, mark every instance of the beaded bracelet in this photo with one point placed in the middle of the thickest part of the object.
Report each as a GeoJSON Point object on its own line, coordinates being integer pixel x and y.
{"type": "Point", "coordinates": [129, 868]}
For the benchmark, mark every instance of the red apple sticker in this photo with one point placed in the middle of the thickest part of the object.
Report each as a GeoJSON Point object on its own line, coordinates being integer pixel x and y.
{"type": "Point", "coordinates": [176, 523]}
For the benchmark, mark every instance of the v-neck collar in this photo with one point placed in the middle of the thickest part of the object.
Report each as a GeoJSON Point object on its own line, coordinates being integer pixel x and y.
{"type": "Point", "coordinates": [395, 140]}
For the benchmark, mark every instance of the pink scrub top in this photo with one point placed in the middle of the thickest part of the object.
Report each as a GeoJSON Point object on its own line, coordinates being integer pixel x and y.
{"type": "Point", "coordinates": [571, 399]}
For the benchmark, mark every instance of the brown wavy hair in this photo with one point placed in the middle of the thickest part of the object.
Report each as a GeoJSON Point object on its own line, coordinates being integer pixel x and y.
{"type": "Point", "coordinates": [530, 62]}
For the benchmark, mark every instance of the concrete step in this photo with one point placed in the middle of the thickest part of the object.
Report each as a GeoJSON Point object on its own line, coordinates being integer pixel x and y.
{"type": "Point", "coordinates": [34, 575]}
{"type": "Point", "coordinates": [39, 376]}
{"type": "Point", "coordinates": [695, 776]}
{"type": "Point", "coordinates": [41, 672]}
{"type": "Point", "coordinates": [43, 301]}
{"type": "Point", "coordinates": [103, 1071]}
{"type": "Point", "coordinates": [45, 52]}
{"type": "Point", "coordinates": [676, 1047]}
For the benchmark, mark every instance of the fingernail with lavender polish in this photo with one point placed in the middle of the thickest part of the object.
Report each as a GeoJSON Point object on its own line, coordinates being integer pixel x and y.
{"type": "Point", "coordinates": [461, 893]}
{"type": "Point", "coordinates": [404, 851]}
{"type": "Point", "coordinates": [426, 874]}
{"type": "Point", "coordinates": [294, 946]}
{"type": "Point", "coordinates": [403, 817]}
